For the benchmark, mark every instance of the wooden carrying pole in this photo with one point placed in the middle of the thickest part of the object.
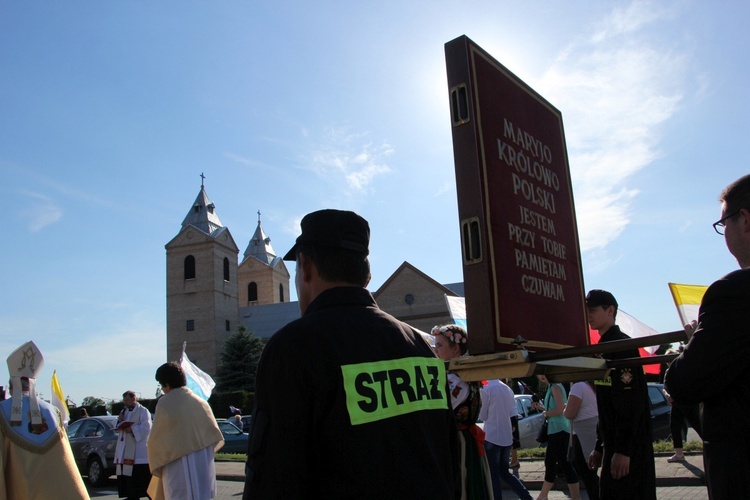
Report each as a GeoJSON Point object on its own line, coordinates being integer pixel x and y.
{"type": "Point", "coordinates": [561, 365]}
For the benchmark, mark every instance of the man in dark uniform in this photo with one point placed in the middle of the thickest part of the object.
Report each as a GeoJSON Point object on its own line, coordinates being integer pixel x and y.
{"type": "Point", "coordinates": [624, 431]}
{"type": "Point", "coordinates": [714, 368]}
{"type": "Point", "coordinates": [350, 402]}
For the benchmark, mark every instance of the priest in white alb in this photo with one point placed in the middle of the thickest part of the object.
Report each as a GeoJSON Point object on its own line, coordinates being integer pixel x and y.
{"type": "Point", "coordinates": [131, 456]}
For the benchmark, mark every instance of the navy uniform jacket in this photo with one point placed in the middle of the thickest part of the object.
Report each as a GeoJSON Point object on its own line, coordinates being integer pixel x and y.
{"type": "Point", "coordinates": [351, 402]}
{"type": "Point", "coordinates": [625, 426]}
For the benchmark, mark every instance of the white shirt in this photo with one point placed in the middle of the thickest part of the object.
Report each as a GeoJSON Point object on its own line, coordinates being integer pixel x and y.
{"type": "Point", "coordinates": [498, 406]}
{"type": "Point", "coordinates": [586, 394]}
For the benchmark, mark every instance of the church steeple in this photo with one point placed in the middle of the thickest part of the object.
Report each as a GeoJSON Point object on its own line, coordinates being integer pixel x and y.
{"type": "Point", "coordinates": [263, 277]}
{"type": "Point", "coordinates": [260, 246]}
{"type": "Point", "coordinates": [202, 280]}
{"type": "Point", "coordinates": [203, 213]}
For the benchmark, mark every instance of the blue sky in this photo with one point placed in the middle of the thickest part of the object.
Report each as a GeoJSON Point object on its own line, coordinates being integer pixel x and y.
{"type": "Point", "coordinates": [111, 110]}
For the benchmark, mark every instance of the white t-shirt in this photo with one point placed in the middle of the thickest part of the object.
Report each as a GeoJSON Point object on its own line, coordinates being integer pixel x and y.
{"type": "Point", "coordinates": [498, 406]}
{"type": "Point", "coordinates": [586, 394]}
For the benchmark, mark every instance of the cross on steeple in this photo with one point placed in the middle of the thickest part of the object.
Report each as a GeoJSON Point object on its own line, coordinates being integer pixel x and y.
{"type": "Point", "coordinates": [259, 217]}
{"type": "Point", "coordinates": [202, 178]}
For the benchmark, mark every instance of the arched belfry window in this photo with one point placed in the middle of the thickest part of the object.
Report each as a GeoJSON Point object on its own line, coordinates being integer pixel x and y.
{"type": "Point", "coordinates": [189, 267]}
{"type": "Point", "coordinates": [226, 269]}
{"type": "Point", "coordinates": [281, 292]}
{"type": "Point", "coordinates": [252, 292]}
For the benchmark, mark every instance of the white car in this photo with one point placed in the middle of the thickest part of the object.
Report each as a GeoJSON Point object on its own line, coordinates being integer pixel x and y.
{"type": "Point", "coordinates": [530, 420]}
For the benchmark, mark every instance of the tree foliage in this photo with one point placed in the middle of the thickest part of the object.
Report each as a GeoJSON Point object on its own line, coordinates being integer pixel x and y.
{"type": "Point", "coordinates": [93, 402]}
{"type": "Point", "coordinates": [239, 361]}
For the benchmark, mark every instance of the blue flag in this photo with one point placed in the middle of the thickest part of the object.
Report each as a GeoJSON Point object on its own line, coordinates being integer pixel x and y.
{"type": "Point", "coordinates": [198, 381]}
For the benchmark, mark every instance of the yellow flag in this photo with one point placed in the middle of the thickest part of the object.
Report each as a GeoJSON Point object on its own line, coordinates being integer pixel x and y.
{"type": "Point", "coordinates": [687, 298]}
{"type": "Point", "coordinates": [58, 399]}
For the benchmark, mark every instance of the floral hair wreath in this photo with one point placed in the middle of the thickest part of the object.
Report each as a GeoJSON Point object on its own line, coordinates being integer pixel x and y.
{"type": "Point", "coordinates": [454, 333]}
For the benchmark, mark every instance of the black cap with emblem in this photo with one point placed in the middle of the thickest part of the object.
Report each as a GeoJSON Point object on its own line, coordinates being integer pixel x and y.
{"type": "Point", "coordinates": [333, 228]}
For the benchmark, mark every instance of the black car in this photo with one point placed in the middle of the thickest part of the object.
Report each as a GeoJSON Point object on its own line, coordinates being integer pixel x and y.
{"type": "Point", "coordinates": [660, 411]}
{"type": "Point", "coordinates": [93, 441]}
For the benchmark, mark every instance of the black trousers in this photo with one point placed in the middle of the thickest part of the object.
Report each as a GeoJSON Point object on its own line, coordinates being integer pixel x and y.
{"type": "Point", "coordinates": [589, 477]}
{"type": "Point", "coordinates": [557, 453]}
{"type": "Point", "coordinates": [135, 486]}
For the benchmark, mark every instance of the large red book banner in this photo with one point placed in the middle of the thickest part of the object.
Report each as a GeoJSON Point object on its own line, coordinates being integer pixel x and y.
{"type": "Point", "coordinates": [521, 258]}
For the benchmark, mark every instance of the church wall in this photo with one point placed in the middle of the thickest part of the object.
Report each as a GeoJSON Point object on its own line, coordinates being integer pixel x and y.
{"type": "Point", "coordinates": [428, 307]}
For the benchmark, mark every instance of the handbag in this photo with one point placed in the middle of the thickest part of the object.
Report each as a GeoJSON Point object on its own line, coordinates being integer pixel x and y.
{"type": "Point", "coordinates": [542, 437]}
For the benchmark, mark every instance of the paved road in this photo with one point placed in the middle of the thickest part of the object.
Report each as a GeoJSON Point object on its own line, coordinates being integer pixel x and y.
{"type": "Point", "coordinates": [232, 490]}
{"type": "Point", "coordinates": [227, 490]}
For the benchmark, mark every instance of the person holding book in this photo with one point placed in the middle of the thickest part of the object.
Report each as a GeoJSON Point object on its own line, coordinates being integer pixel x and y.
{"type": "Point", "coordinates": [131, 456]}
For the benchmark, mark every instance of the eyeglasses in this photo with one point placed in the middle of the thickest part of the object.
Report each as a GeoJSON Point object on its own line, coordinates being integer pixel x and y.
{"type": "Point", "coordinates": [721, 223]}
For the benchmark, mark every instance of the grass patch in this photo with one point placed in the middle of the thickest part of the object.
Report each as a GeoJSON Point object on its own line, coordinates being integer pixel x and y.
{"type": "Point", "coordinates": [664, 446]}
{"type": "Point", "coordinates": [231, 457]}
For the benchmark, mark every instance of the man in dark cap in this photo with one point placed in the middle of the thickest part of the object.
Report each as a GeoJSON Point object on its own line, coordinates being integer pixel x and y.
{"type": "Point", "coordinates": [624, 432]}
{"type": "Point", "coordinates": [714, 368]}
{"type": "Point", "coordinates": [350, 402]}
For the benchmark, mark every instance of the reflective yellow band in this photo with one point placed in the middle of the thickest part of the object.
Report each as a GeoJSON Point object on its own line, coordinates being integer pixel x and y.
{"type": "Point", "coordinates": [607, 381]}
{"type": "Point", "coordinates": [385, 389]}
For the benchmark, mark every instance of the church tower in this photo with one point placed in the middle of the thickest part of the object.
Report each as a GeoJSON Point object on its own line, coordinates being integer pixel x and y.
{"type": "Point", "coordinates": [263, 276]}
{"type": "Point", "coordinates": [202, 286]}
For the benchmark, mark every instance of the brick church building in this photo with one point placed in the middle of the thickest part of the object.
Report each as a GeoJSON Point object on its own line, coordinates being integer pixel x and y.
{"type": "Point", "coordinates": [210, 291]}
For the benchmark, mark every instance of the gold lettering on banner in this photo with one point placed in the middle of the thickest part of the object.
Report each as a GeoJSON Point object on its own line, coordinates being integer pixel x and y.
{"type": "Point", "coordinates": [534, 181]}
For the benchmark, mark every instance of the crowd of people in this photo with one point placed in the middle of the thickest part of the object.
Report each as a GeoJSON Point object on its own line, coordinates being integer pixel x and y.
{"type": "Point", "coordinates": [351, 402]}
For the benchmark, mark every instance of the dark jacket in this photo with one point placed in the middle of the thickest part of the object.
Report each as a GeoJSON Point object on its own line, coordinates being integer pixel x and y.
{"type": "Point", "coordinates": [625, 426]}
{"type": "Point", "coordinates": [714, 368]}
{"type": "Point", "coordinates": [351, 403]}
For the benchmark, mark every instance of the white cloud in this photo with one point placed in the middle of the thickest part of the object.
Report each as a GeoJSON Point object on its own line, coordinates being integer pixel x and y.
{"type": "Point", "coordinates": [349, 157]}
{"type": "Point", "coordinates": [242, 160]}
{"type": "Point", "coordinates": [616, 87]}
{"type": "Point", "coordinates": [41, 212]}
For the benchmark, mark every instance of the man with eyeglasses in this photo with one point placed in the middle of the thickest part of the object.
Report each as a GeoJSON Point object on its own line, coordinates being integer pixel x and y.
{"type": "Point", "coordinates": [714, 368]}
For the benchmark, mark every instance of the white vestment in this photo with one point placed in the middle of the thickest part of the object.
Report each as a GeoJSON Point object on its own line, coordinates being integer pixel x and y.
{"type": "Point", "coordinates": [192, 477]}
{"type": "Point", "coordinates": [141, 427]}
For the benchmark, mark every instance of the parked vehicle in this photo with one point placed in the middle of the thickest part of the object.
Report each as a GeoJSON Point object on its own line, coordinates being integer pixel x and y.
{"type": "Point", "coordinates": [530, 420]}
{"type": "Point", "coordinates": [660, 412]}
{"type": "Point", "coordinates": [93, 441]}
{"type": "Point", "coordinates": [246, 423]}
{"type": "Point", "coordinates": [235, 441]}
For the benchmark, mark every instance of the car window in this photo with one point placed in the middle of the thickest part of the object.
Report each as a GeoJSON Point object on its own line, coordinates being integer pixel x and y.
{"type": "Point", "coordinates": [656, 396]}
{"type": "Point", "coordinates": [91, 428]}
{"type": "Point", "coordinates": [73, 429]}
{"type": "Point", "coordinates": [229, 428]}
{"type": "Point", "coordinates": [519, 407]}
{"type": "Point", "coordinates": [530, 410]}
